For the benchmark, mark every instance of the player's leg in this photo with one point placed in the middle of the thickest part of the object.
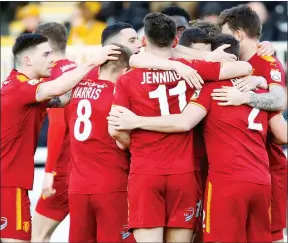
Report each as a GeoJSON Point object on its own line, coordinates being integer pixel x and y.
{"type": "Point", "coordinates": [259, 214]}
{"type": "Point", "coordinates": [278, 204]}
{"type": "Point", "coordinates": [181, 198]}
{"type": "Point", "coordinates": [146, 207]}
{"type": "Point", "coordinates": [50, 212]}
{"type": "Point", "coordinates": [82, 219]}
{"type": "Point", "coordinates": [112, 206]}
{"type": "Point", "coordinates": [15, 215]}
{"type": "Point", "coordinates": [225, 211]}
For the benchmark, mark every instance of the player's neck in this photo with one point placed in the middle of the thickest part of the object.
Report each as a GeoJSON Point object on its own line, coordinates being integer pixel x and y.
{"type": "Point", "coordinates": [108, 74]}
{"type": "Point", "coordinates": [160, 52]}
{"type": "Point", "coordinates": [28, 72]}
{"type": "Point", "coordinates": [249, 50]}
{"type": "Point", "coordinates": [59, 56]}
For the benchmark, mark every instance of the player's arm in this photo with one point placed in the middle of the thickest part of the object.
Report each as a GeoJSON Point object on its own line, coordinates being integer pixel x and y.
{"type": "Point", "coordinates": [56, 134]}
{"type": "Point", "coordinates": [124, 119]}
{"type": "Point", "coordinates": [60, 101]}
{"type": "Point", "coordinates": [69, 80]}
{"type": "Point", "coordinates": [272, 101]}
{"type": "Point", "coordinates": [190, 54]}
{"type": "Point", "coordinates": [122, 98]}
{"type": "Point", "coordinates": [278, 127]}
{"type": "Point", "coordinates": [183, 122]}
{"type": "Point", "coordinates": [122, 137]}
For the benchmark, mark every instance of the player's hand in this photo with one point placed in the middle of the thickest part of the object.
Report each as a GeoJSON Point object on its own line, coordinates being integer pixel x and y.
{"type": "Point", "coordinates": [122, 118]}
{"type": "Point", "coordinates": [219, 55]}
{"type": "Point", "coordinates": [249, 83]}
{"type": "Point", "coordinates": [47, 188]}
{"type": "Point", "coordinates": [189, 74]}
{"type": "Point", "coordinates": [265, 48]}
{"type": "Point", "coordinates": [104, 54]}
{"type": "Point", "coordinates": [229, 96]}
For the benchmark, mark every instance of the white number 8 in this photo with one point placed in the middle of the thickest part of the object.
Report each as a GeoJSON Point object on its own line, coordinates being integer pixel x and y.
{"type": "Point", "coordinates": [83, 117]}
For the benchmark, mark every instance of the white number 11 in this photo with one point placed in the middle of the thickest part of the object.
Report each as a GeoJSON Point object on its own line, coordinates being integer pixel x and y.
{"type": "Point", "coordinates": [160, 94]}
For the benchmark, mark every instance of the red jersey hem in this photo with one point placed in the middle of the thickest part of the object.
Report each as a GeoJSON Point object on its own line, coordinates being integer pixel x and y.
{"type": "Point", "coordinates": [158, 173]}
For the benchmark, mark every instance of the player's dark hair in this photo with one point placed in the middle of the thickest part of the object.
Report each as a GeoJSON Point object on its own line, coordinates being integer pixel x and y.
{"type": "Point", "coordinates": [242, 17]}
{"type": "Point", "coordinates": [112, 30]}
{"type": "Point", "coordinates": [27, 41]}
{"type": "Point", "coordinates": [209, 28]}
{"type": "Point", "coordinates": [160, 29]}
{"type": "Point", "coordinates": [123, 61]}
{"type": "Point", "coordinates": [176, 11]}
{"type": "Point", "coordinates": [194, 35]}
{"type": "Point", "coordinates": [226, 39]}
{"type": "Point", "coordinates": [56, 33]}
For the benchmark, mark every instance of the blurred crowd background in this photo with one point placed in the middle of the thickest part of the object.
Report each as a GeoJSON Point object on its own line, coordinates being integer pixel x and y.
{"type": "Point", "coordinates": [85, 21]}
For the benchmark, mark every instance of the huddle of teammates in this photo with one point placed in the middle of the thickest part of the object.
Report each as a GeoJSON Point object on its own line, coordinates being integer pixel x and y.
{"type": "Point", "coordinates": [189, 131]}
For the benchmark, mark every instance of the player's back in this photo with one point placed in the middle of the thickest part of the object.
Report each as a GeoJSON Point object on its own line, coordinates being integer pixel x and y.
{"type": "Point", "coordinates": [235, 138]}
{"type": "Point", "coordinates": [157, 93]}
{"type": "Point", "coordinates": [21, 121]}
{"type": "Point", "coordinates": [98, 165]}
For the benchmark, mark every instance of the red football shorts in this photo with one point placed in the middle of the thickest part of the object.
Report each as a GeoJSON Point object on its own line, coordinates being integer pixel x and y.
{"type": "Point", "coordinates": [55, 207]}
{"type": "Point", "coordinates": [162, 200]}
{"type": "Point", "coordinates": [236, 211]}
{"type": "Point", "coordinates": [99, 218]}
{"type": "Point", "coordinates": [278, 203]}
{"type": "Point", "coordinates": [15, 214]}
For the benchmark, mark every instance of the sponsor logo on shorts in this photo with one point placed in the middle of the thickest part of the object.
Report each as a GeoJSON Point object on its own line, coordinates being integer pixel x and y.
{"type": "Point", "coordinates": [124, 232]}
{"type": "Point", "coordinates": [4, 223]}
{"type": "Point", "coordinates": [189, 213]}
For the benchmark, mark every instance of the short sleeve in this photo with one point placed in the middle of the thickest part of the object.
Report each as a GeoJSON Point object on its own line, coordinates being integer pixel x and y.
{"type": "Point", "coordinates": [121, 92]}
{"type": "Point", "coordinates": [27, 91]}
{"type": "Point", "coordinates": [202, 97]}
{"type": "Point", "coordinates": [272, 114]}
{"type": "Point", "coordinates": [209, 71]}
{"type": "Point", "coordinates": [274, 73]}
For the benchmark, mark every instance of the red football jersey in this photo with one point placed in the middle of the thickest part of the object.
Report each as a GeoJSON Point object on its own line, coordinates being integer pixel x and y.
{"type": "Point", "coordinates": [270, 68]}
{"type": "Point", "coordinates": [21, 120]}
{"type": "Point", "coordinates": [159, 93]}
{"type": "Point", "coordinates": [58, 133]}
{"type": "Point", "coordinates": [97, 165]}
{"type": "Point", "coordinates": [235, 138]}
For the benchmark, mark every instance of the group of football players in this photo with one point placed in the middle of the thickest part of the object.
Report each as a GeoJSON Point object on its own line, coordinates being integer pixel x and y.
{"type": "Point", "coordinates": [174, 138]}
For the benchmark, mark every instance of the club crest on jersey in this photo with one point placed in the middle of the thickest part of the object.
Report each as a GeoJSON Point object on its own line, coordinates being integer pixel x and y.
{"type": "Point", "coordinates": [34, 81]}
{"type": "Point", "coordinates": [275, 75]}
{"type": "Point", "coordinates": [196, 94]}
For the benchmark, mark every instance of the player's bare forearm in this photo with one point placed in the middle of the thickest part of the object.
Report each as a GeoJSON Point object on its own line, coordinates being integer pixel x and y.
{"type": "Point", "coordinates": [149, 60]}
{"type": "Point", "coordinates": [278, 127]}
{"type": "Point", "coordinates": [235, 69]}
{"type": "Point", "coordinates": [190, 54]}
{"type": "Point", "coordinates": [60, 101]}
{"type": "Point", "coordinates": [63, 84]}
{"type": "Point", "coordinates": [166, 124]}
{"type": "Point", "coordinates": [272, 101]}
{"type": "Point", "coordinates": [122, 138]}
{"type": "Point", "coordinates": [174, 123]}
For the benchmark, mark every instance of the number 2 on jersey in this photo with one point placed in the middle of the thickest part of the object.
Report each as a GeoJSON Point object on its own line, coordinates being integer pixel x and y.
{"type": "Point", "coordinates": [251, 124]}
{"type": "Point", "coordinates": [161, 95]}
{"type": "Point", "coordinates": [84, 105]}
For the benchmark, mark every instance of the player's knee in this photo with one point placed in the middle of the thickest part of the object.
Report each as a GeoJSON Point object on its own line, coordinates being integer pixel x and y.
{"type": "Point", "coordinates": [149, 235]}
{"type": "Point", "coordinates": [179, 235]}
